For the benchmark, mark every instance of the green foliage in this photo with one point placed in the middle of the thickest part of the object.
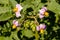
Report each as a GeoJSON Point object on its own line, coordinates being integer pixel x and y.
{"type": "Point", "coordinates": [4, 2]}
{"type": "Point", "coordinates": [29, 20]}
{"type": "Point", "coordinates": [5, 16]}
{"type": "Point", "coordinates": [5, 11]}
{"type": "Point", "coordinates": [12, 3]}
{"type": "Point", "coordinates": [5, 38]}
{"type": "Point", "coordinates": [28, 33]}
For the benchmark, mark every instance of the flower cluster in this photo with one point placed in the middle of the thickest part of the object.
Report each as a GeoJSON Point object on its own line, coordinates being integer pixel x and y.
{"type": "Point", "coordinates": [43, 13]}
{"type": "Point", "coordinates": [41, 28]}
{"type": "Point", "coordinates": [17, 11]}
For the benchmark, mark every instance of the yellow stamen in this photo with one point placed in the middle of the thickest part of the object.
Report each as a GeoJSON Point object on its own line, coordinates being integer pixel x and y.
{"type": "Point", "coordinates": [15, 9]}
{"type": "Point", "coordinates": [14, 26]}
{"type": "Point", "coordinates": [46, 14]}
{"type": "Point", "coordinates": [41, 31]}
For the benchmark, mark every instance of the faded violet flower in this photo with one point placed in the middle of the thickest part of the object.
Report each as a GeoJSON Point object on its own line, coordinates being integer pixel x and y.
{"type": "Point", "coordinates": [41, 16]}
{"type": "Point", "coordinates": [17, 10]}
{"type": "Point", "coordinates": [44, 8]}
{"type": "Point", "coordinates": [15, 24]}
{"type": "Point", "coordinates": [37, 28]}
{"type": "Point", "coordinates": [41, 28]}
{"type": "Point", "coordinates": [42, 12]}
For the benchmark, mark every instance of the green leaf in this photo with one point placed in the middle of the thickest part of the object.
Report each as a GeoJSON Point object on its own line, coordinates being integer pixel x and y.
{"type": "Point", "coordinates": [5, 38]}
{"type": "Point", "coordinates": [14, 35]}
{"type": "Point", "coordinates": [4, 1]}
{"type": "Point", "coordinates": [28, 33]}
{"type": "Point", "coordinates": [8, 24]}
{"type": "Point", "coordinates": [54, 39]}
{"type": "Point", "coordinates": [4, 10]}
{"type": "Point", "coordinates": [6, 16]}
{"type": "Point", "coordinates": [55, 28]}
{"type": "Point", "coordinates": [13, 3]}
{"type": "Point", "coordinates": [54, 6]}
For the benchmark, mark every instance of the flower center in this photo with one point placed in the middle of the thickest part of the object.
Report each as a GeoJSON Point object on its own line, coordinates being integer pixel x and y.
{"type": "Point", "coordinates": [15, 9]}
{"type": "Point", "coordinates": [14, 26]}
{"type": "Point", "coordinates": [46, 14]}
{"type": "Point", "coordinates": [42, 31]}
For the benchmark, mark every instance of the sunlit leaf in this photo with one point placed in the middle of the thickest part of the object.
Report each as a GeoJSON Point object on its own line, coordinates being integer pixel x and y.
{"type": "Point", "coordinates": [28, 33]}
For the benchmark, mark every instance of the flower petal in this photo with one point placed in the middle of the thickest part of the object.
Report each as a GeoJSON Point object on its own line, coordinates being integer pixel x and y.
{"type": "Point", "coordinates": [14, 21]}
{"type": "Point", "coordinates": [37, 28]}
{"type": "Point", "coordinates": [18, 14]}
{"type": "Point", "coordinates": [19, 7]}
{"type": "Point", "coordinates": [41, 16]}
{"type": "Point", "coordinates": [42, 26]}
{"type": "Point", "coordinates": [44, 8]}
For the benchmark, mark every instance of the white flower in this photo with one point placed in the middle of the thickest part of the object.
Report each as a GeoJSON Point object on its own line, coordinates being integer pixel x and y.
{"type": "Point", "coordinates": [18, 14]}
{"type": "Point", "coordinates": [37, 28]}
{"type": "Point", "coordinates": [17, 10]}
{"type": "Point", "coordinates": [41, 16]}
{"type": "Point", "coordinates": [41, 27]}
{"type": "Point", "coordinates": [19, 7]}
{"type": "Point", "coordinates": [15, 23]}
{"type": "Point", "coordinates": [42, 11]}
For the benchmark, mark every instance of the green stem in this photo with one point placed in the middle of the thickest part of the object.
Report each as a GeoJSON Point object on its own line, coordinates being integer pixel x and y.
{"type": "Point", "coordinates": [36, 21]}
{"type": "Point", "coordinates": [36, 35]}
{"type": "Point", "coordinates": [34, 17]}
{"type": "Point", "coordinates": [42, 36]}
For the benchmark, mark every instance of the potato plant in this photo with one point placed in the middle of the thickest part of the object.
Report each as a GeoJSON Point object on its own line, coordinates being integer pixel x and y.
{"type": "Point", "coordinates": [29, 19]}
